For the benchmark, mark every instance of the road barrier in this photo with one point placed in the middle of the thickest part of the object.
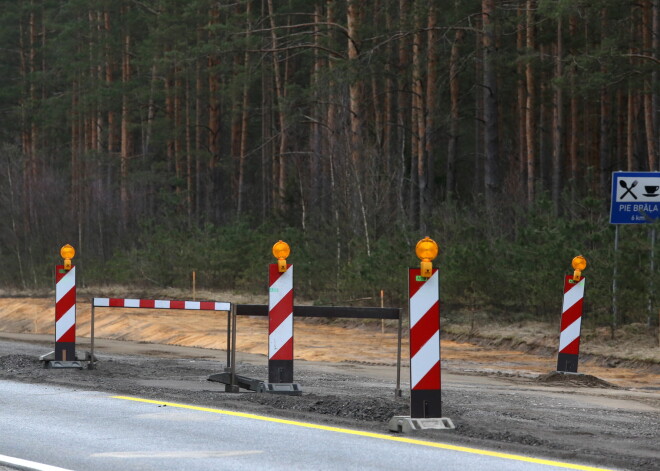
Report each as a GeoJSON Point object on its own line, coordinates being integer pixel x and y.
{"type": "Point", "coordinates": [425, 392]}
{"type": "Point", "coordinates": [64, 355]}
{"type": "Point", "coordinates": [343, 312]}
{"type": "Point", "coordinates": [571, 321]}
{"type": "Point", "coordinates": [280, 324]}
{"type": "Point", "coordinates": [424, 309]}
{"type": "Point", "coordinates": [162, 304]}
{"type": "Point", "coordinates": [571, 318]}
{"type": "Point", "coordinates": [65, 313]}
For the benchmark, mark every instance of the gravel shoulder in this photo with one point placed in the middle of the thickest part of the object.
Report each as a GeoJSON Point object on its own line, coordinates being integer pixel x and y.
{"type": "Point", "coordinates": [580, 419]}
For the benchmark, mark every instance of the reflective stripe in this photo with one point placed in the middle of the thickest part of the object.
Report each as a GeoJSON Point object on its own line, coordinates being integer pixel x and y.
{"type": "Point", "coordinates": [66, 284]}
{"type": "Point", "coordinates": [569, 334]}
{"type": "Point", "coordinates": [573, 295]}
{"type": "Point", "coordinates": [131, 303]}
{"type": "Point", "coordinates": [425, 359]}
{"type": "Point", "coordinates": [65, 322]}
{"type": "Point", "coordinates": [424, 299]}
{"type": "Point", "coordinates": [280, 288]}
{"type": "Point", "coordinates": [280, 336]}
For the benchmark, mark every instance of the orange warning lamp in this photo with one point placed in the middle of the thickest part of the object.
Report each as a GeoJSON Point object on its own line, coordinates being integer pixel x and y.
{"type": "Point", "coordinates": [426, 250]}
{"type": "Point", "coordinates": [579, 263]}
{"type": "Point", "coordinates": [281, 251]}
{"type": "Point", "coordinates": [67, 253]}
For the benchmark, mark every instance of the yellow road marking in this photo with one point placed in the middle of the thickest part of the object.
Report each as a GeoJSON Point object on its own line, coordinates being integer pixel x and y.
{"type": "Point", "coordinates": [444, 446]}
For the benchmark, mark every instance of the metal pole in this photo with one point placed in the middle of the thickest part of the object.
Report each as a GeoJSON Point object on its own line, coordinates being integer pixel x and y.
{"type": "Point", "coordinates": [382, 304]}
{"type": "Point", "coordinates": [233, 345]}
{"type": "Point", "coordinates": [228, 365]}
{"type": "Point", "coordinates": [90, 365]}
{"type": "Point", "coordinates": [616, 258]}
{"type": "Point", "coordinates": [397, 391]}
{"type": "Point", "coordinates": [651, 283]}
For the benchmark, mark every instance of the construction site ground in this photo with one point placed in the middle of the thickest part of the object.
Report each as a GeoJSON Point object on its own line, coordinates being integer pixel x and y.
{"type": "Point", "coordinates": [499, 384]}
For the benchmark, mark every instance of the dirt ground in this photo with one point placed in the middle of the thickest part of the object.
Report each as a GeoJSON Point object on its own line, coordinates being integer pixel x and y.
{"type": "Point", "coordinates": [499, 398]}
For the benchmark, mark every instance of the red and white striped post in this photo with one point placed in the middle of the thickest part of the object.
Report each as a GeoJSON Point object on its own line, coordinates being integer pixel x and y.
{"type": "Point", "coordinates": [571, 319]}
{"type": "Point", "coordinates": [280, 317]}
{"type": "Point", "coordinates": [425, 391]}
{"type": "Point", "coordinates": [424, 310]}
{"type": "Point", "coordinates": [65, 307]}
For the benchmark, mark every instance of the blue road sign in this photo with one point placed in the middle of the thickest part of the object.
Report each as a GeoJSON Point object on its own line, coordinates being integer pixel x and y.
{"type": "Point", "coordinates": [635, 197]}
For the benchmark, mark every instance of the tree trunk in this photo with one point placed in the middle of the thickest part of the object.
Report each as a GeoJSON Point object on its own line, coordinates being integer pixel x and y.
{"type": "Point", "coordinates": [647, 35]}
{"type": "Point", "coordinates": [280, 166]}
{"type": "Point", "coordinates": [604, 147]}
{"type": "Point", "coordinates": [240, 191]}
{"type": "Point", "coordinates": [125, 120]}
{"type": "Point", "coordinates": [109, 80]}
{"type": "Point", "coordinates": [490, 112]}
{"type": "Point", "coordinates": [431, 112]}
{"type": "Point", "coordinates": [522, 99]}
{"type": "Point", "coordinates": [478, 174]}
{"type": "Point", "coordinates": [630, 132]}
{"type": "Point", "coordinates": [454, 123]}
{"type": "Point", "coordinates": [402, 106]}
{"type": "Point", "coordinates": [355, 84]}
{"type": "Point", "coordinates": [418, 162]}
{"type": "Point", "coordinates": [573, 144]}
{"type": "Point", "coordinates": [530, 122]}
{"type": "Point", "coordinates": [557, 120]}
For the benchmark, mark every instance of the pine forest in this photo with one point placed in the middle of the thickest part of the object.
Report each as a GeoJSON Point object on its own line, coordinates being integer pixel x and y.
{"type": "Point", "coordinates": [161, 137]}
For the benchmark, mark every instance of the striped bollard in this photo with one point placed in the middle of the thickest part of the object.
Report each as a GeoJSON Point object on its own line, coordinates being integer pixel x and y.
{"type": "Point", "coordinates": [425, 391]}
{"type": "Point", "coordinates": [424, 310]}
{"type": "Point", "coordinates": [280, 324]}
{"type": "Point", "coordinates": [571, 319]}
{"type": "Point", "coordinates": [64, 355]}
{"type": "Point", "coordinates": [65, 313]}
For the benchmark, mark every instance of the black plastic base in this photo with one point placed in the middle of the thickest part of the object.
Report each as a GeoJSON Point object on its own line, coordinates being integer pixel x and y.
{"type": "Point", "coordinates": [65, 351]}
{"type": "Point", "coordinates": [280, 371]}
{"type": "Point", "coordinates": [567, 362]}
{"type": "Point", "coordinates": [425, 403]}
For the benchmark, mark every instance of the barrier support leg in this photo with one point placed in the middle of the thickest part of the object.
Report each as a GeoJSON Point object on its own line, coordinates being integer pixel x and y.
{"type": "Point", "coordinates": [397, 390]}
{"type": "Point", "coordinates": [233, 387]}
{"type": "Point", "coordinates": [90, 365]}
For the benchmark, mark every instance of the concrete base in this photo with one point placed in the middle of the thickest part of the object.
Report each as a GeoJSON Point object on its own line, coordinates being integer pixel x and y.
{"type": "Point", "coordinates": [571, 373]}
{"type": "Point", "coordinates": [405, 424]}
{"type": "Point", "coordinates": [49, 361]}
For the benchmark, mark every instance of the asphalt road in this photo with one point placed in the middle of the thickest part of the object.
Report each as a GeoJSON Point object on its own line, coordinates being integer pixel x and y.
{"type": "Point", "coordinates": [82, 430]}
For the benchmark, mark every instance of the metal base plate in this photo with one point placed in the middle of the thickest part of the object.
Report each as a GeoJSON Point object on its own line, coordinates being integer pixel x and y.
{"type": "Point", "coordinates": [405, 424]}
{"type": "Point", "coordinates": [256, 385]}
{"type": "Point", "coordinates": [63, 364]}
{"type": "Point", "coordinates": [291, 389]}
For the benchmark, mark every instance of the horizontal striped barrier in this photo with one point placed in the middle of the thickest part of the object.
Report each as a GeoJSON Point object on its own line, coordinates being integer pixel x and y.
{"type": "Point", "coordinates": [161, 304]}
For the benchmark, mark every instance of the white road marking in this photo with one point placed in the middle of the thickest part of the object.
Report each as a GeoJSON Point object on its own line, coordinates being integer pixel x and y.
{"type": "Point", "coordinates": [174, 454]}
{"type": "Point", "coordinates": [28, 465]}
